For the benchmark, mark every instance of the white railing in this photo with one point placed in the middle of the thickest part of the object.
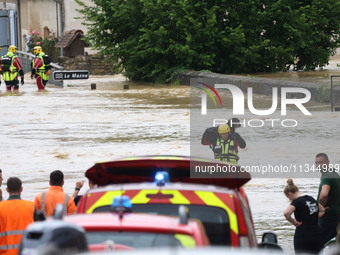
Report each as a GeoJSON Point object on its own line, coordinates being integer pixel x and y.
{"type": "Point", "coordinates": [335, 93]}
{"type": "Point", "coordinates": [26, 62]}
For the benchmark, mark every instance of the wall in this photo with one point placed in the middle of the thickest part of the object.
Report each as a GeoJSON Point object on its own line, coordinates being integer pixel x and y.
{"type": "Point", "coordinates": [71, 15]}
{"type": "Point", "coordinates": [262, 86]}
{"type": "Point", "coordinates": [93, 63]}
{"type": "Point", "coordinates": [72, 21]}
{"type": "Point", "coordinates": [38, 14]}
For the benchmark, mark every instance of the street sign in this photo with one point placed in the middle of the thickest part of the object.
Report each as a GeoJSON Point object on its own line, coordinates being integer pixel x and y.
{"type": "Point", "coordinates": [71, 75]}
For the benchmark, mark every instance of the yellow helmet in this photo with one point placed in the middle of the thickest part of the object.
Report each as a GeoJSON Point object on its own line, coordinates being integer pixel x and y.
{"type": "Point", "coordinates": [224, 128]}
{"type": "Point", "coordinates": [12, 48]}
{"type": "Point", "coordinates": [37, 50]}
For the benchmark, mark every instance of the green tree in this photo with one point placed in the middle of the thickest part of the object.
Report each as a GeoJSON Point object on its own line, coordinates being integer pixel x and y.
{"type": "Point", "coordinates": [155, 38]}
{"type": "Point", "coordinates": [47, 44]}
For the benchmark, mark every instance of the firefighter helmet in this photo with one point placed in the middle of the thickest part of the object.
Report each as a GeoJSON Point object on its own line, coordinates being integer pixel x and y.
{"type": "Point", "coordinates": [224, 128]}
{"type": "Point", "coordinates": [37, 50]}
{"type": "Point", "coordinates": [12, 48]}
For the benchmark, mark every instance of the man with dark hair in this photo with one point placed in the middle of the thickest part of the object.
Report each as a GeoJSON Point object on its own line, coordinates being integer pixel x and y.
{"type": "Point", "coordinates": [14, 185]}
{"type": "Point", "coordinates": [328, 196]}
{"type": "Point", "coordinates": [57, 178]}
{"type": "Point", "coordinates": [47, 201]}
{"type": "Point", "coordinates": [15, 215]}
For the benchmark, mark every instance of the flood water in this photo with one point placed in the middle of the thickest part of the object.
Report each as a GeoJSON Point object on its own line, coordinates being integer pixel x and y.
{"type": "Point", "coordinates": [72, 128]}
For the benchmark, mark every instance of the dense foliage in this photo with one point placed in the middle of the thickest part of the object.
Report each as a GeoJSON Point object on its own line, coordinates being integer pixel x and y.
{"type": "Point", "coordinates": [155, 38]}
{"type": "Point", "coordinates": [34, 38]}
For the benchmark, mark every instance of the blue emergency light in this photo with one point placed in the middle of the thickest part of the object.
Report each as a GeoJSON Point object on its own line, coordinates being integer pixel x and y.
{"type": "Point", "coordinates": [161, 177]}
{"type": "Point", "coordinates": [121, 204]}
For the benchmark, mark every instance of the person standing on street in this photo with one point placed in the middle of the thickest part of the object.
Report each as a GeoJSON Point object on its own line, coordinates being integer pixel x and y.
{"type": "Point", "coordinates": [41, 68]}
{"type": "Point", "coordinates": [306, 211]}
{"type": "Point", "coordinates": [329, 197]}
{"type": "Point", "coordinates": [46, 202]}
{"type": "Point", "coordinates": [11, 69]}
{"type": "Point", "coordinates": [15, 215]}
{"type": "Point", "coordinates": [79, 185]}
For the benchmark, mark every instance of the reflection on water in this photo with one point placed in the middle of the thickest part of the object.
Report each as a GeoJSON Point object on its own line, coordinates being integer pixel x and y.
{"type": "Point", "coordinates": [318, 76]}
{"type": "Point", "coordinates": [73, 127]}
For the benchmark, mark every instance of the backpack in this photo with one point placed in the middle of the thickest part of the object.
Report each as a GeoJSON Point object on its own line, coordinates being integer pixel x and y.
{"type": "Point", "coordinates": [6, 61]}
{"type": "Point", "coordinates": [210, 136]}
{"type": "Point", "coordinates": [46, 59]}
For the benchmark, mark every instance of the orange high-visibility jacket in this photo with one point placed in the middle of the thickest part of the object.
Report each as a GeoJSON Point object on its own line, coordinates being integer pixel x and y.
{"type": "Point", "coordinates": [47, 201]}
{"type": "Point", "coordinates": [15, 215]}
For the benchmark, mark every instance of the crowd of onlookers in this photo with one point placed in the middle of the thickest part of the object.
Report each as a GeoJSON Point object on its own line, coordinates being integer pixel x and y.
{"type": "Point", "coordinates": [16, 214]}
{"type": "Point", "coordinates": [316, 220]}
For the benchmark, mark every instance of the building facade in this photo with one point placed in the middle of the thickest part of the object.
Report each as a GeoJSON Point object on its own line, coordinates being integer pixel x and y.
{"type": "Point", "coordinates": [47, 17]}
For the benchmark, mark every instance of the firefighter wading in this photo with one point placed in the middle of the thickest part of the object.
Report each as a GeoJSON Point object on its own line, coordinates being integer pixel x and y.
{"type": "Point", "coordinates": [11, 68]}
{"type": "Point", "coordinates": [225, 148]}
{"type": "Point", "coordinates": [41, 68]}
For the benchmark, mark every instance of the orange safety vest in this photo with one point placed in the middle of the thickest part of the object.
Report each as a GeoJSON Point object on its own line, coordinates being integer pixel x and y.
{"type": "Point", "coordinates": [15, 215]}
{"type": "Point", "coordinates": [47, 201]}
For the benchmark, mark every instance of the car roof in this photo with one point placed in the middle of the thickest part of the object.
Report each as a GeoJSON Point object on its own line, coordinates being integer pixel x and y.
{"type": "Point", "coordinates": [168, 186]}
{"type": "Point", "coordinates": [195, 251]}
{"type": "Point", "coordinates": [133, 222]}
{"type": "Point", "coordinates": [143, 169]}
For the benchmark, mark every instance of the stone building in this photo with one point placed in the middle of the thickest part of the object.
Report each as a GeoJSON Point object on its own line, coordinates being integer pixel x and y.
{"type": "Point", "coordinates": [58, 18]}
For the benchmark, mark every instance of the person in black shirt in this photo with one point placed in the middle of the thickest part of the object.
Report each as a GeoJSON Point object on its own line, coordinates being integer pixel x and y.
{"type": "Point", "coordinates": [306, 212]}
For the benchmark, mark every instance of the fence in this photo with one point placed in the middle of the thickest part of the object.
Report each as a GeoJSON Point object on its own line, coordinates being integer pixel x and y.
{"type": "Point", "coordinates": [335, 93]}
{"type": "Point", "coordinates": [26, 62]}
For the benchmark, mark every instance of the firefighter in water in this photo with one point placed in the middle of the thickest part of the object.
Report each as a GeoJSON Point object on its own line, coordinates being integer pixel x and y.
{"type": "Point", "coordinates": [225, 148]}
{"type": "Point", "coordinates": [41, 68]}
{"type": "Point", "coordinates": [11, 69]}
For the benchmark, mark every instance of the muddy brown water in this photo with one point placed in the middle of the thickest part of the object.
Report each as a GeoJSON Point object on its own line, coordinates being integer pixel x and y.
{"type": "Point", "coordinates": [72, 128]}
